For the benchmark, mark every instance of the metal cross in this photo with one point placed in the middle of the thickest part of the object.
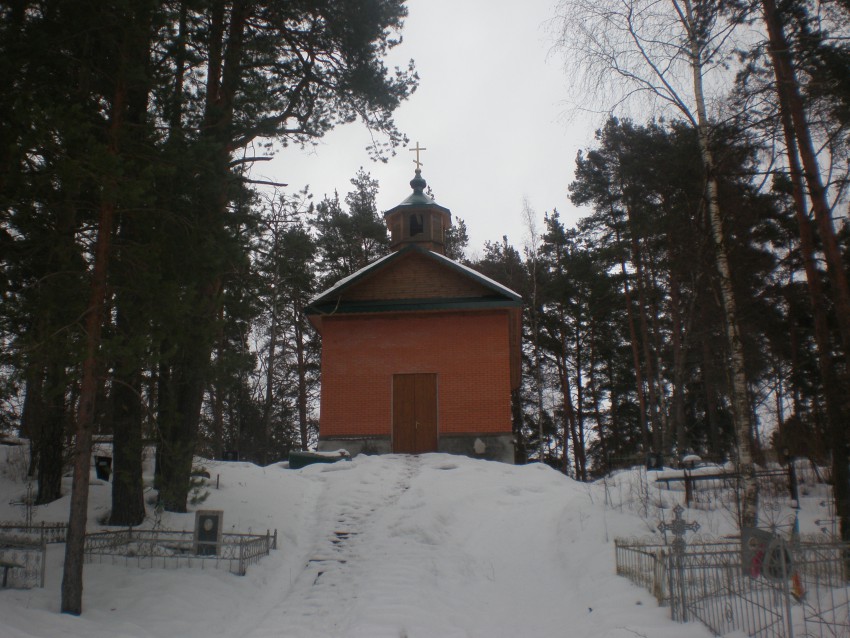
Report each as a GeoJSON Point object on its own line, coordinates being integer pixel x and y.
{"type": "Point", "coordinates": [678, 526]}
{"type": "Point", "coordinates": [28, 503]}
{"type": "Point", "coordinates": [416, 150]}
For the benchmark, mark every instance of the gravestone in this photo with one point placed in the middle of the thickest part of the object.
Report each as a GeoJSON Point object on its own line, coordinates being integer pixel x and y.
{"type": "Point", "coordinates": [103, 467]}
{"type": "Point", "coordinates": [654, 461]}
{"type": "Point", "coordinates": [208, 532]}
{"type": "Point", "coordinates": [765, 554]}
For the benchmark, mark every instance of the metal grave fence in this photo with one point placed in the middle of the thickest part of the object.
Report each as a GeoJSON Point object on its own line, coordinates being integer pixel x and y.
{"type": "Point", "coordinates": [23, 550]}
{"type": "Point", "coordinates": [803, 593]}
{"type": "Point", "coordinates": [43, 532]}
{"type": "Point", "coordinates": [172, 548]}
{"type": "Point", "coordinates": [22, 563]}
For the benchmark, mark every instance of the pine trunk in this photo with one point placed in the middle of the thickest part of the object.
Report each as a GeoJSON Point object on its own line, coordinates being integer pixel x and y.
{"type": "Point", "coordinates": [614, 403]}
{"type": "Point", "coordinates": [180, 433]}
{"type": "Point", "coordinates": [579, 449]}
{"type": "Point", "coordinates": [301, 370]}
{"type": "Point", "coordinates": [798, 140]}
{"type": "Point", "coordinates": [128, 94]}
{"type": "Point", "coordinates": [570, 427]}
{"type": "Point", "coordinates": [637, 261]}
{"type": "Point", "coordinates": [32, 413]}
{"type": "Point", "coordinates": [270, 366]}
{"type": "Point", "coordinates": [593, 387]}
{"type": "Point", "coordinates": [789, 91]}
{"type": "Point", "coordinates": [128, 505]}
{"type": "Point", "coordinates": [51, 433]}
{"type": "Point", "coordinates": [189, 373]}
{"type": "Point", "coordinates": [711, 409]}
{"type": "Point", "coordinates": [131, 311]}
{"type": "Point", "coordinates": [635, 348]}
{"type": "Point", "coordinates": [677, 339]}
{"type": "Point", "coordinates": [72, 579]}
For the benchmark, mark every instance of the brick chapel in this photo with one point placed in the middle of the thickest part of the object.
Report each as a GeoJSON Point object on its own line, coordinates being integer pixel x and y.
{"type": "Point", "coordinates": [419, 352]}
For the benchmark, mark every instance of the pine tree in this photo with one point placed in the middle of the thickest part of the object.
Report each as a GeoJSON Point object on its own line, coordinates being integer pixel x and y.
{"type": "Point", "coordinates": [348, 240]}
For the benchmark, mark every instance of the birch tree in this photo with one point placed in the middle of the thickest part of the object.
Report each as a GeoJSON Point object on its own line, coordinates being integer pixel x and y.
{"type": "Point", "coordinates": [667, 53]}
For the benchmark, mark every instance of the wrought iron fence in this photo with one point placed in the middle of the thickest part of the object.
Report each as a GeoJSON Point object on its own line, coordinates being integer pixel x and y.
{"type": "Point", "coordinates": [824, 574]}
{"type": "Point", "coordinates": [22, 563]}
{"type": "Point", "coordinates": [643, 562]}
{"type": "Point", "coordinates": [808, 595]}
{"type": "Point", "coordinates": [43, 532]}
{"type": "Point", "coordinates": [707, 489]}
{"type": "Point", "coordinates": [172, 548]}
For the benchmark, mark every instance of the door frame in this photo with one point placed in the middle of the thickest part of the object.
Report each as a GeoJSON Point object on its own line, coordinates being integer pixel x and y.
{"type": "Point", "coordinates": [422, 442]}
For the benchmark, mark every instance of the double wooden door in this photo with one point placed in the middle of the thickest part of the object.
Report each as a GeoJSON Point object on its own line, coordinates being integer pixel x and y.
{"type": "Point", "coordinates": [414, 413]}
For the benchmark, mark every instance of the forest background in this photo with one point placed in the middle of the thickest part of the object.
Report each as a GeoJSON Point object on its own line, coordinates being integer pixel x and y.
{"type": "Point", "coordinates": [152, 290]}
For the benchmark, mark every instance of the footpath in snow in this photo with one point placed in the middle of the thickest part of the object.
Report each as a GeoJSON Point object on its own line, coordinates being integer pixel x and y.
{"type": "Point", "coordinates": [436, 546]}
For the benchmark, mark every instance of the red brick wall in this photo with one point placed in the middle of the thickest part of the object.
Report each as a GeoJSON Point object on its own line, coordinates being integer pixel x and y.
{"type": "Point", "coordinates": [415, 276]}
{"type": "Point", "coordinates": [468, 351]}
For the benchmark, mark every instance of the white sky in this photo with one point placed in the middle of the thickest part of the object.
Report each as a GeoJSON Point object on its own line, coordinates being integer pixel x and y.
{"type": "Point", "coordinates": [491, 108]}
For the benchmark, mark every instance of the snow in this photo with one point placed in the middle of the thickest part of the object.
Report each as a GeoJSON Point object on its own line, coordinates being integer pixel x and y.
{"type": "Point", "coordinates": [334, 454]}
{"type": "Point", "coordinates": [383, 546]}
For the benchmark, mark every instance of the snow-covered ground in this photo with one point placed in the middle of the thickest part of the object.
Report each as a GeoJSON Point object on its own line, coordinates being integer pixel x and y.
{"type": "Point", "coordinates": [436, 546]}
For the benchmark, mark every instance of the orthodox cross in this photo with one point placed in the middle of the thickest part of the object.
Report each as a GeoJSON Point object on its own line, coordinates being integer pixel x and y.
{"type": "Point", "coordinates": [28, 503]}
{"type": "Point", "coordinates": [678, 526]}
{"type": "Point", "coordinates": [417, 150]}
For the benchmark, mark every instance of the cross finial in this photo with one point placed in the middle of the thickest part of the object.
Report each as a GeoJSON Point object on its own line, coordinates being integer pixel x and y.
{"type": "Point", "coordinates": [678, 526]}
{"type": "Point", "coordinates": [416, 150]}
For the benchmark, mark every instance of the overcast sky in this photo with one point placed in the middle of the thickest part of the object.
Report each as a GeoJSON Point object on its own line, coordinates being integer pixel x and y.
{"type": "Point", "coordinates": [492, 110]}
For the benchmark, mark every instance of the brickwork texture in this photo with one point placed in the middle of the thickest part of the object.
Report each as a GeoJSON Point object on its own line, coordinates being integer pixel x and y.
{"type": "Point", "coordinates": [469, 352]}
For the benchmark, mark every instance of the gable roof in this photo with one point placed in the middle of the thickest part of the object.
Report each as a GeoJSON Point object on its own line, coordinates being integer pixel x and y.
{"type": "Point", "coordinates": [333, 300]}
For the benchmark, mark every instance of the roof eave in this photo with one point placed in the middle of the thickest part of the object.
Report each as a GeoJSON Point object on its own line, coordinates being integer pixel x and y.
{"type": "Point", "coordinates": [333, 294]}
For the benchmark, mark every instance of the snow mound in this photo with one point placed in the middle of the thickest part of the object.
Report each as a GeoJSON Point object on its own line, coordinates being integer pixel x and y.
{"type": "Point", "coordinates": [387, 546]}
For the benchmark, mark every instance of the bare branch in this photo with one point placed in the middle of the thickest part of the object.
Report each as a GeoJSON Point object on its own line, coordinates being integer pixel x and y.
{"type": "Point", "coordinates": [262, 182]}
{"type": "Point", "coordinates": [249, 160]}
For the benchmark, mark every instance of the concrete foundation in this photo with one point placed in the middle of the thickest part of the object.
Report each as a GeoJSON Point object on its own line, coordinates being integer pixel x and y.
{"type": "Point", "coordinates": [357, 445]}
{"type": "Point", "coordinates": [492, 447]}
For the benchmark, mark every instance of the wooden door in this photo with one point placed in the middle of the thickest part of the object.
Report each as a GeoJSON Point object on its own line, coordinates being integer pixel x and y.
{"type": "Point", "coordinates": [414, 413]}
